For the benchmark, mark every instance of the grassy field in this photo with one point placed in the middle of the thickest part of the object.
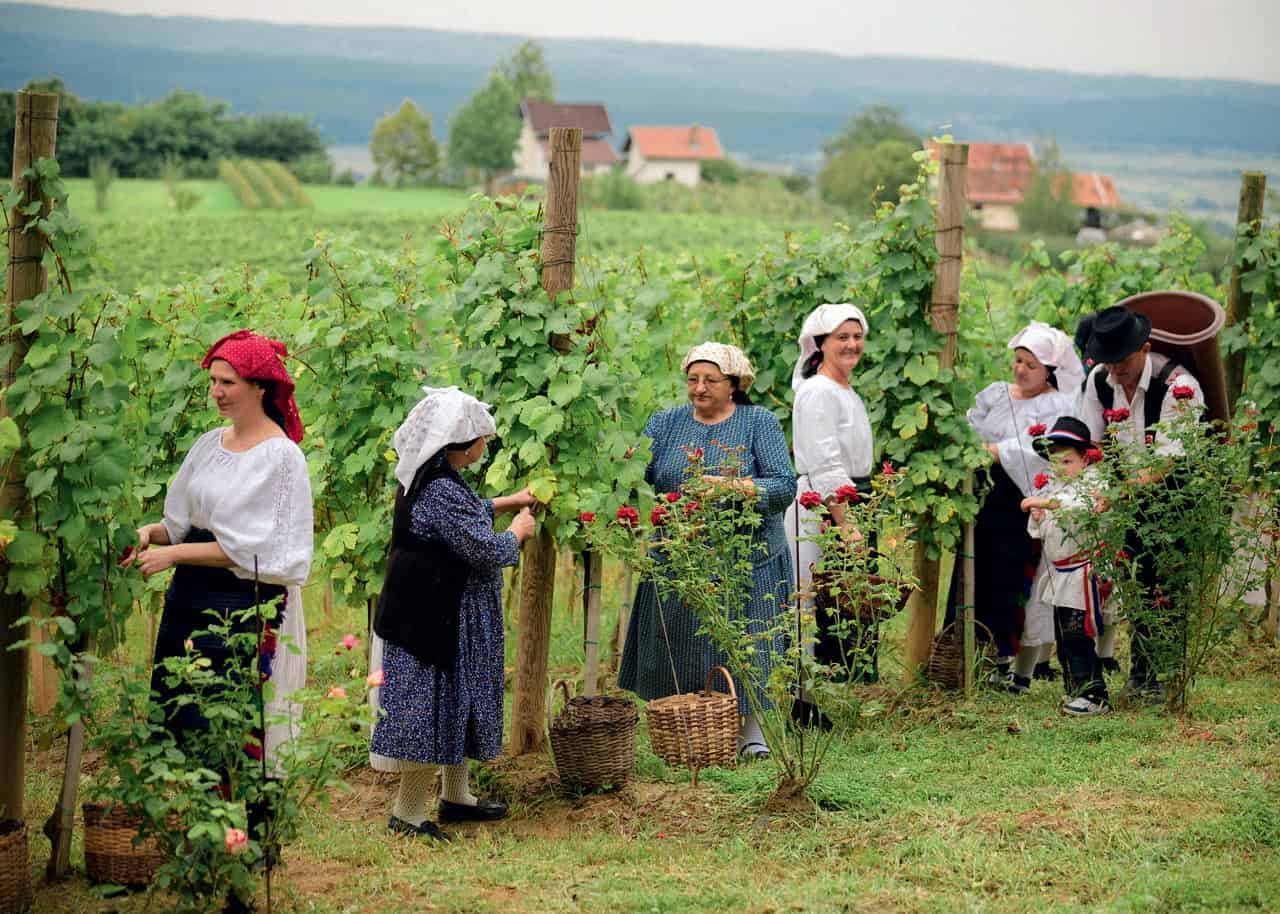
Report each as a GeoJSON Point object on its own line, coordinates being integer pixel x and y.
{"type": "Point", "coordinates": [934, 804]}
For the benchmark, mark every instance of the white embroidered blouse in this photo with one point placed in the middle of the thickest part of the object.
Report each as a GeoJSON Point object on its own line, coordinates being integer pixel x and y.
{"type": "Point", "coordinates": [1005, 422]}
{"type": "Point", "coordinates": [832, 435]}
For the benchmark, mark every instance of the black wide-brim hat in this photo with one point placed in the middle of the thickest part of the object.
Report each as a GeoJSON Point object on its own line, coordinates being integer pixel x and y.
{"type": "Point", "coordinates": [1067, 430]}
{"type": "Point", "coordinates": [1116, 333]}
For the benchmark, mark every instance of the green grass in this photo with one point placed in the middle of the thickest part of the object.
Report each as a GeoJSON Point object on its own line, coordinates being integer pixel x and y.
{"type": "Point", "coordinates": [935, 804]}
{"type": "Point", "coordinates": [133, 199]}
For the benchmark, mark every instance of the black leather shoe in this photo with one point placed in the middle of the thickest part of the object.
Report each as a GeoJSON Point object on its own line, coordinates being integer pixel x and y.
{"type": "Point", "coordinates": [483, 811]}
{"type": "Point", "coordinates": [427, 829]}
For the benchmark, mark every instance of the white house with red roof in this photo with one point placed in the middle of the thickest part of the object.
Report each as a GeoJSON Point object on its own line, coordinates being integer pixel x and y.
{"type": "Point", "coordinates": [537, 119]}
{"type": "Point", "coordinates": [670, 153]}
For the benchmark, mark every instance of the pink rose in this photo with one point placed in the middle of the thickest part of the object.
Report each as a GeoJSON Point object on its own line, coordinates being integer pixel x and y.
{"type": "Point", "coordinates": [350, 641]}
{"type": "Point", "coordinates": [376, 678]}
{"type": "Point", "coordinates": [887, 469]}
{"type": "Point", "coordinates": [235, 840]}
{"type": "Point", "coordinates": [337, 692]}
{"type": "Point", "coordinates": [189, 644]}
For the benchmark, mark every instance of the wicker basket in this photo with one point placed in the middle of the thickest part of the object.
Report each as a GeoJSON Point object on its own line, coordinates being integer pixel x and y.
{"type": "Point", "coordinates": [946, 654]}
{"type": "Point", "coordinates": [593, 739]}
{"type": "Point", "coordinates": [110, 854]}
{"type": "Point", "coordinates": [698, 728]}
{"type": "Point", "coordinates": [827, 596]}
{"type": "Point", "coordinates": [15, 866]}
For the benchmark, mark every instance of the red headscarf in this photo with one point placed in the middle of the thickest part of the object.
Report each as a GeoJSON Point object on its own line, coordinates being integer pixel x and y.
{"type": "Point", "coordinates": [258, 358]}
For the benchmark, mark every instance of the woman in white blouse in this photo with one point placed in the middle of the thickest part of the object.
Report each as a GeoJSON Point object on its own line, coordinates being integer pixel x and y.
{"type": "Point", "coordinates": [239, 508]}
{"type": "Point", "coordinates": [1008, 416]}
{"type": "Point", "coordinates": [833, 448]}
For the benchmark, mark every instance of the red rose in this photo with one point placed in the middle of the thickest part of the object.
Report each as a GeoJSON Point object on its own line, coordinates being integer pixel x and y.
{"type": "Point", "coordinates": [1093, 455]}
{"type": "Point", "coordinates": [846, 494]}
{"type": "Point", "coordinates": [1115, 415]}
{"type": "Point", "coordinates": [268, 647]}
{"type": "Point", "coordinates": [690, 507]}
{"type": "Point", "coordinates": [1041, 480]}
{"type": "Point", "coordinates": [1183, 392]}
{"type": "Point", "coordinates": [1122, 556]}
{"type": "Point", "coordinates": [587, 517]}
{"type": "Point", "coordinates": [628, 517]}
{"type": "Point", "coordinates": [693, 453]}
{"type": "Point", "coordinates": [672, 497]}
{"type": "Point", "coordinates": [810, 499]}
{"type": "Point", "coordinates": [254, 751]}
{"type": "Point", "coordinates": [887, 469]}
{"type": "Point", "coordinates": [658, 516]}
{"type": "Point", "coordinates": [1037, 430]}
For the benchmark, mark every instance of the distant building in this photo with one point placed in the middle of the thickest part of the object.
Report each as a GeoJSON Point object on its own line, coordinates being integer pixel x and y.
{"type": "Point", "coordinates": [670, 153]}
{"type": "Point", "coordinates": [531, 157]}
{"type": "Point", "coordinates": [1000, 173]}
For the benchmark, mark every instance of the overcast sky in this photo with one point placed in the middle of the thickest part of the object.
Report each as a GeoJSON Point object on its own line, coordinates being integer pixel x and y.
{"type": "Point", "coordinates": [1234, 39]}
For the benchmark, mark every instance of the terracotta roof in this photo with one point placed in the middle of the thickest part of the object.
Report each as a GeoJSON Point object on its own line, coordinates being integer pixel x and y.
{"type": "Point", "coordinates": [594, 152]}
{"type": "Point", "coordinates": [542, 116]}
{"type": "Point", "coordinates": [692, 142]}
{"type": "Point", "coordinates": [998, 172]}
{"type": "Point", "coordinates": [1091, 189]}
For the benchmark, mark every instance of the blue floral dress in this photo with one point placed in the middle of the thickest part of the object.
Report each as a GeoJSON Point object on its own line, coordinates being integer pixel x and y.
{"type": "Point", "coordinates": [647, 658]}
{"type": "Point", "coordinates": [441, 716]}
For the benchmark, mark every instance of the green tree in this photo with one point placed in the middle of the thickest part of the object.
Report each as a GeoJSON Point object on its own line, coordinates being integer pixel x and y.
{"type": "Point", "coordinates": [483, 132]}
{"type": "Point", "coordinates": [870, 127]}
{"type": "Point", "coordinates": [279, 137]}
{"type": "Point", "coordinates": [404, 151]}
{"type": "Point", "coordinates": [858, 176]}
{"type": "Point", "coordinates": [720, 171]}
{"type": "Point", "coordinates": [1047, 208]}
{"type": "Point", "coordinates": [527, 72]}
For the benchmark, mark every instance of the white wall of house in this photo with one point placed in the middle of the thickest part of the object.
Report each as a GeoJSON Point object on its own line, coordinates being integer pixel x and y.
{"type": "Point", "coordinates": [595, 168]}
{"type": "Point", "coordinates": [652, 171]}
{"type": "Point", "coordinates": [529, 160]}
{"type": "Point", "coordinates": [998, 217]}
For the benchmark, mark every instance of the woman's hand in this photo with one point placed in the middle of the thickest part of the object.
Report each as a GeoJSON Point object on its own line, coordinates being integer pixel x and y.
{"type": "Point", "coordinates": [147, 534]}
{"type": "Point", "coordinates": [523, 525]}
{"type": "Point", "coordinates": [1037, 514]}
{"type": "Point", "coordinates": [744, 484]}
{"type": "Point", "coordinates": [522, 499]}
{"type": "Point", "coordinates": [156, 560]}
{"type": "Point", "coordinates": [994, 451]}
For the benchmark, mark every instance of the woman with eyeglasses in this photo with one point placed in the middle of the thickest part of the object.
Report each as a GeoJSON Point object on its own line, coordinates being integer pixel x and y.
{"type": "Point", "coordinates": [719, 415]}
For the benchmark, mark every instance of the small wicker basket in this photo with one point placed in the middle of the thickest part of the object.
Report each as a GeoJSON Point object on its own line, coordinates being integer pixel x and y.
{"type": "Point", "coordinates": [946, 654]}
{"type": "Point", "coordinates": [593, 739]}
{"type": "Point", "coordinates": [110, 852]}
{"type": "Point", "coordinates": [828, 596]}
{"type": "Point", "coordinates": [698, 729]}
{"type": "Point", "coordinates": [15, 866]}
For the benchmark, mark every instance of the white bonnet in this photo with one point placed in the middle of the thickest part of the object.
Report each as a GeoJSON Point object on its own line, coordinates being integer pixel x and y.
{"type": "Point", "coordinates": [1055, 349]}
{"type": "Point", "coordinates": [821, 321]}
{"type": "Point", "coordinates": [445, 415]}
{"type": "Point", "coordinates": [730, 359]}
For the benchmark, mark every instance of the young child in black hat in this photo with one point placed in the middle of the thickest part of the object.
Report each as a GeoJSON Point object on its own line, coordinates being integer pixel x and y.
{"type": "Point", "coordinates": [1067, 582]}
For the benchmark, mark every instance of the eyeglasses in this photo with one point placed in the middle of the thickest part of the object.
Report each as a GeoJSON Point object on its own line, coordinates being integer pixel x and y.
{"type": "Point", "coordinates": [695, 381]}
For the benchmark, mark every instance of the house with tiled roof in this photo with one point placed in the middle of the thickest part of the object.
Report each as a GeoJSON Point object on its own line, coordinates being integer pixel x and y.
{"type": "Point", "coordinates": [537, 119]}
{"type": "Point", "coordinates": [670, 153]}
{"type": "Point", "coordinates": [1000, 173]}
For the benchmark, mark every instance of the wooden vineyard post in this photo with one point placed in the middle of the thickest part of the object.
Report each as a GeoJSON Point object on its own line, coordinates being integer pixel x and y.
{"type": "Point", "coordinates": [592, 582]}
{"type": "Point", "coordinates": [34, 137]}
{"type": "Point", "coordinates": [624, 620]}
{"type": "Point", "coordinates": [944, 314]}
{"type": "Point", "coordinates": [538, 561]}
{"type": "Point", "coordinates": [965, 558]}
{"type": "Point", "coordinates": [1253, 189]}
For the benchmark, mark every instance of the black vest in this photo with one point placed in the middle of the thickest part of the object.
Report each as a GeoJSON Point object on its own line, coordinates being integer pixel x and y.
{"type": "Point", "coordinates": [1156, 391]}
{"type": "Point", "coordinates": [420, 607]}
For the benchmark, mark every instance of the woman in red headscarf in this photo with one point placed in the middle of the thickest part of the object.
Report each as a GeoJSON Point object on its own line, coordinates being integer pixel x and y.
{"type": "Point", "coordinates": [238, 509]}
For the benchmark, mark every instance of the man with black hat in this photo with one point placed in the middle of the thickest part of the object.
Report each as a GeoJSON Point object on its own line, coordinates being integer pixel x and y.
{"type": "Point", "coordinates": [1134, 391]}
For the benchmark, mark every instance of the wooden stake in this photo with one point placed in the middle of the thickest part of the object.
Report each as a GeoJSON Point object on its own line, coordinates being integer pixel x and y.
{"type": "Point", "coordinates": [538, 563]}
{"type": "Point", "coordinates": [624, 619]}
{"type": "Point", "coordinates": [60, 826]}
{"type": "Point", "coordinates": [967, 592]}
{"type": "Point", "coordinates": [34, 137]}
{"type": "Point", "coordinates": [592, 582]}
{"type": "Point", "coordinates": [944, 314]}
{"type": "Point", "coordinates": [1253, 189]}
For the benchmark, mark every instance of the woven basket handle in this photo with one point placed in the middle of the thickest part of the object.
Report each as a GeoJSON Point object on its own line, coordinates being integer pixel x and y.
{"type": "Point", "coordinates": [551, 700]}
{"type": "Point", "coordinates": [727, 678]}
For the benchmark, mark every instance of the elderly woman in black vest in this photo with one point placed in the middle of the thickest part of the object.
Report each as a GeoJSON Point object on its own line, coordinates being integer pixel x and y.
{"type": "Point", "coordinates": [438, 625]}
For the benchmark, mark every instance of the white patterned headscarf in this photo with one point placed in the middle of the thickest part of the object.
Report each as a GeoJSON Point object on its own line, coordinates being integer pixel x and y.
{"type": "Point", "coordinates": [729, 359]}
{"type": "Point", "coordinates": [445, 415]}
{"type": "Point", "coordinates": [1055, 349]}
{"type": "Point", "coordinates": [821, 321]}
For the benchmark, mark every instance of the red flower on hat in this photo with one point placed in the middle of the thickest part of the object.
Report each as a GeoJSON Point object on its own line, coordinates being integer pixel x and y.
{"type": "Point", "coordinates": [1093, 455]}
{"type": "Point", "coordinates": [586, 517]}
{"type": "Point", "coordinates": [810, 499]}
{"type": "Point", "coordinates": [672, 497]}
{"type": "Point", "coordinates": [628, 517]}
{"type": "Point", "coordinates": [1115, 415]}
{"type": "Point", "coordinates": [658, 516]}
{"type": "Point", "coordinates": [1037, 430]}
{"type": "Point", "coordinates": [1183, 392]}
{"type": "Point", "coordinates": [1041, 480]}
{"type": "Point", "coordinates": [848, 494]}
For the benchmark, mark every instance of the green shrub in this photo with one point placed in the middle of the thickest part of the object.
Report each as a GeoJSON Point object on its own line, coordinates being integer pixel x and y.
{"type": "Point", "coordinates": [263, 184]}
{"type": "Point", "coordinates": [286, 183]}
